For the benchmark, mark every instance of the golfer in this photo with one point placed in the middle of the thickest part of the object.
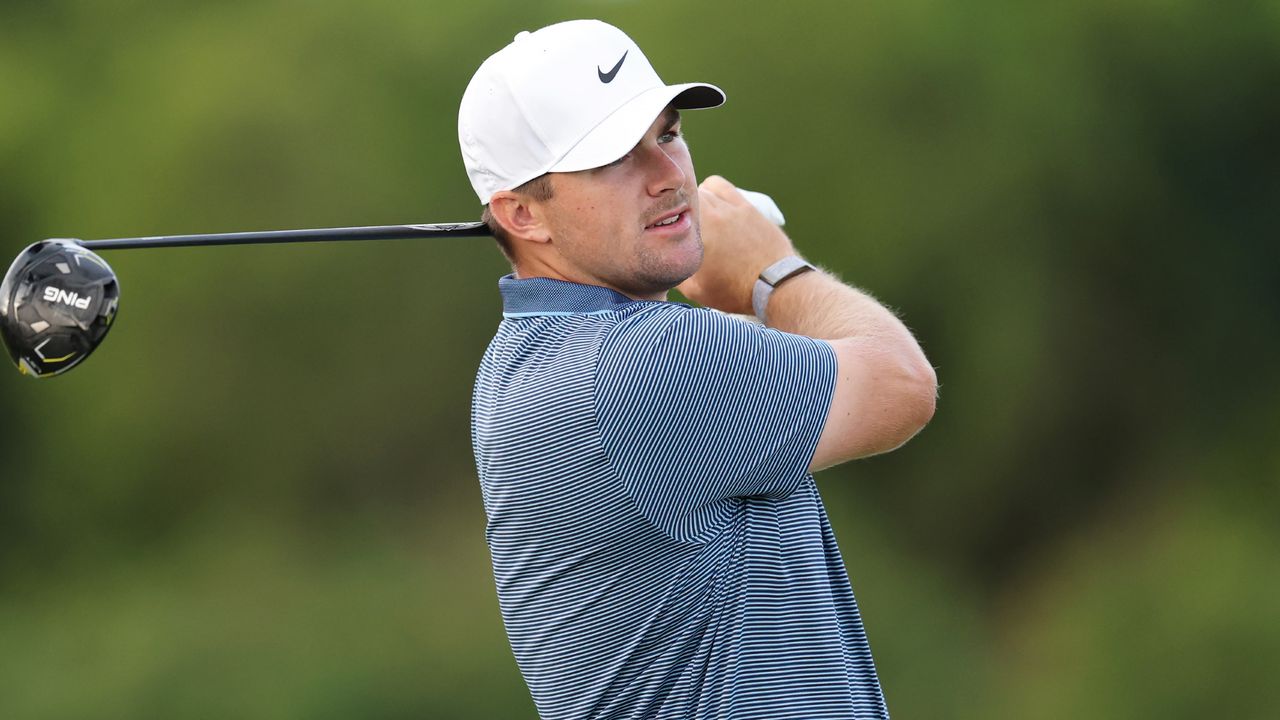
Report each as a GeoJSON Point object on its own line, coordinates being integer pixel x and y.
{"type": "Point", "coordinates": [659, 546]}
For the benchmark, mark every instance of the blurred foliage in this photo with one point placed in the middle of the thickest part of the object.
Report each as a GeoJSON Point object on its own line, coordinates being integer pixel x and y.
{"type": "Point", "coordinates": [257, 499]}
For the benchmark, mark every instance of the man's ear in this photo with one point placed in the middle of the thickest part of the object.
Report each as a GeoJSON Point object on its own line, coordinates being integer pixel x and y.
{"type": "Point", "coordinates": [520, 216]}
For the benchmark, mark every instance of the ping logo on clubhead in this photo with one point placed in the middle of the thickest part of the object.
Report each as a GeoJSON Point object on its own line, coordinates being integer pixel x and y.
{"type": "Point", "coordinates": [56, 295]}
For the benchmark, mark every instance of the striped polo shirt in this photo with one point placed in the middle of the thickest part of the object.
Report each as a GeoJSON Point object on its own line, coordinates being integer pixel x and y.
{"type": "Point", "coordinates": [659, 547]}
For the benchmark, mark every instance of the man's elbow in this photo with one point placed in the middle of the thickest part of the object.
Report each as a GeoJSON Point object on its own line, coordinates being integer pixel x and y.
{"type": "Point", "coordinates": [880, 405]}
{"type": "Point", "coordinates": [917, 399]}
{"type": "Point", "coordinates": [924, 397]}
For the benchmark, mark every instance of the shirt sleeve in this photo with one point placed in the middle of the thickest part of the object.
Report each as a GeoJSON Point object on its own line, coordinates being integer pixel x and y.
{"type": "Point", "coordinates": [697, 407]}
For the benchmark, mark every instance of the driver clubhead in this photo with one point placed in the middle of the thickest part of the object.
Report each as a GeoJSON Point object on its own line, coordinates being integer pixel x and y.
{"type": "Point", "coordinates": [57, 303]}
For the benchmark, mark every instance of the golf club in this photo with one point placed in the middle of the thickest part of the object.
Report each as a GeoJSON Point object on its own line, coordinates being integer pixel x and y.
{"type": "Point", "coordinates": [59, 299]}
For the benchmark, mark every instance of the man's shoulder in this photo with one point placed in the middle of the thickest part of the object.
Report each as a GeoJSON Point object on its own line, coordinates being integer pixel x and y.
{"type": "Point", "coordinates": [542, 338]}
{"type": "Point", "coordinates": [675, 324]}
{"type": "Point", "coordinates": [681, 346]}
{"type": "Point", "coordinates": [676, 345]}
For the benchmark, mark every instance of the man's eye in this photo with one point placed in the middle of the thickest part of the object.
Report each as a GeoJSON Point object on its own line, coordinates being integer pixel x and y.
{"type": "Point", "coordinates": [619, 161]}
{"type": "Point", "coordinates": [669, 136]}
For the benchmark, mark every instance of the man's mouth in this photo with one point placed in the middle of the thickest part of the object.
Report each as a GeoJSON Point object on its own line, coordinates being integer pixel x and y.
{"type": "Point", "coordinates": [675, 217]}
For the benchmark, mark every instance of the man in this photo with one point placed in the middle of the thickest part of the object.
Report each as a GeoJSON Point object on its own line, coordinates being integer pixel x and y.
{"type": "Point", "coordinates": [658, 543]}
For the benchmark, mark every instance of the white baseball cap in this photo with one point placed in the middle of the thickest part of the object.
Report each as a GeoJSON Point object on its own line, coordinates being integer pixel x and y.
{"type": "Point", "coordinates": [572, 96]}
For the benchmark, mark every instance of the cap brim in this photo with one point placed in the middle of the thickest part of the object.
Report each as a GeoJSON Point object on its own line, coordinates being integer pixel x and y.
{"type": "Point", "coordinates": [618, 133]}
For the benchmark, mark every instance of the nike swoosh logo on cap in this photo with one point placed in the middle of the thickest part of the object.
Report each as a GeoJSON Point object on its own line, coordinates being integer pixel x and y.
{"type": "Point", "coordinates": [607, 77]}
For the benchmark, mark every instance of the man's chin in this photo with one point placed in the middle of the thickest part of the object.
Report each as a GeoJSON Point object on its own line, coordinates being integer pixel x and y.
{"type": "Point", "coordinates": [676, 273]}
{"type": "Point", "coordinates": [659, 272]}
{"type": "Point", "coordinates": [656, 283]}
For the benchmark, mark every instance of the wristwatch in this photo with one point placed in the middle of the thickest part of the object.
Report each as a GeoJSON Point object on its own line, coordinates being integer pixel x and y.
{"type": "Point", "coordinates": [773, 276]}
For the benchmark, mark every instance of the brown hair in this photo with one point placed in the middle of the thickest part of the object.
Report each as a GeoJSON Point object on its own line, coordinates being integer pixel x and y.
{"type": "Point", "coordinates": [538, 189]}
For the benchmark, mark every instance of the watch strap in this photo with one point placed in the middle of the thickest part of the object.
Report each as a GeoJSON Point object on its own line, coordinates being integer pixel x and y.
{"type": "Point", "coordinates": [773, 276]}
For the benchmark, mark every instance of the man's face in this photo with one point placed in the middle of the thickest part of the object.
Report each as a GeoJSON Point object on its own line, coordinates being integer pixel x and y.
{"type": "Point", "coordinates": [631, 225]}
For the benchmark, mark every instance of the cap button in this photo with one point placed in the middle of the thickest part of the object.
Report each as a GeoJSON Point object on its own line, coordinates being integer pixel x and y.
{"type": "Point", "coordinates": [521, 35]}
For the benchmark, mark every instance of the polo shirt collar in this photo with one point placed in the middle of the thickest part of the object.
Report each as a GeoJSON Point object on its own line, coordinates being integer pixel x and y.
{"type": "Point", "coordinates": [527, 297]}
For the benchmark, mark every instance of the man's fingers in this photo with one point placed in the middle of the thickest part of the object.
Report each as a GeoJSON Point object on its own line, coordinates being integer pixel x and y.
{"type": "Point", "coordinates": [709, 201]}
{"type": "Point", "coordinates": [706, 194]}
{"type": "Point", "coordinates": [723, 190]}
{"type": "Point", "coordinates": [713, 205]}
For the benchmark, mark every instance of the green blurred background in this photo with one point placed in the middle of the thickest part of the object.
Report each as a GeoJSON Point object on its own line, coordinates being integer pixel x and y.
{"type": "Point", "coordinates": [257, 499]}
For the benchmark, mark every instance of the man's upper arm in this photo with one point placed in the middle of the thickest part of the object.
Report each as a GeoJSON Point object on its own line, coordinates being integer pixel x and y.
{"type": "Point", "coordinates": [696, 406]}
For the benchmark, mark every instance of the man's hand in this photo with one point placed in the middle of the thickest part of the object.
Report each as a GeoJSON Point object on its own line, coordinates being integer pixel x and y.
{"type": "Point", "coordinates": [738, 244]}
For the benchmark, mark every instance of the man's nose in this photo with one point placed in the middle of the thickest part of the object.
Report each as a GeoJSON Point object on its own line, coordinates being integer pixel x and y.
{"type": "Point", "coordinates": [664, 173]}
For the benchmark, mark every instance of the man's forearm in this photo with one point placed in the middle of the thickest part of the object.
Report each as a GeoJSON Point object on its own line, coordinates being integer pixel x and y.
{"type": "Point", "coordinates": [818, 305]}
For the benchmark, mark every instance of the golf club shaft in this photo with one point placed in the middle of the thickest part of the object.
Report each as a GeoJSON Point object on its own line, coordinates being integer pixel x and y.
{"type": "Point", "coordinates": [374, 232]}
